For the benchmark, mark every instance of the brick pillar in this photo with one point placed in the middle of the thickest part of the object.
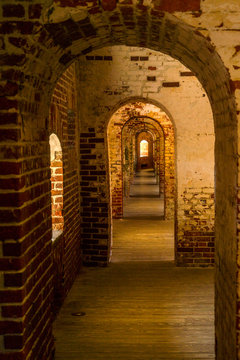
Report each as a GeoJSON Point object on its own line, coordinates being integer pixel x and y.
{"type": "Point", "coordinates": [115, 164]}
{"type": "Point", "coordinates": [26, 263]}
{"type": "Point", "coordinates": [95, 210]}
{"type": "Point", "coordinates": [169, 172]}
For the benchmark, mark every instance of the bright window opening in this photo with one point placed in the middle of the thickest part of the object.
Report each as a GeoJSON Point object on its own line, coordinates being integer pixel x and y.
{"type": "Point", "coordinates": [143, 148]}
{"type": "Point", "coordinates": [56, 166]}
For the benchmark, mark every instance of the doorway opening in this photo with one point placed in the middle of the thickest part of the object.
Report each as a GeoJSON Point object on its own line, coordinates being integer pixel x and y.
{"type": "Point", "coordinates": [126, 128]}
{"type": "Point", "coordinates": [142, 179]}
{"type": "Point", "coordinates": [144, 146]}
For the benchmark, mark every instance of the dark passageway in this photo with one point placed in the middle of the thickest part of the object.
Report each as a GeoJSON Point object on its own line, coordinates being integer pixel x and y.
{"type": "Point", "coordinates": [144, 234]}
{"type": "Point", "coordinates": [141, 307]}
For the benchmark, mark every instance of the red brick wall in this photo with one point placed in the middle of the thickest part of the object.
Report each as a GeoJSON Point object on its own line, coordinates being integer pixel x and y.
{"type": "Point", "coordinates": [29, 277]}
{"type": "Point", "coordinates": [95, 207]}
{"type": "Point", "coordinates": [65, 201]}
{"type": "Point", "coordinates": [33, 54]}
{"type": "Point", "coordinates": [26, 261]}
{"type": "Point", "coordinates": [125, 123]}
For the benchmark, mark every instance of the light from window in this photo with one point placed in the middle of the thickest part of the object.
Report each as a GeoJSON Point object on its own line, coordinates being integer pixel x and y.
{"type": "Point", "coordinates": [56, 165]}
{"type": "Point", "coordinates": [143, 148]}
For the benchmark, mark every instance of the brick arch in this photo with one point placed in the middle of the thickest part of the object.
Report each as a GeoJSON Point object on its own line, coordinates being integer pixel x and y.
{"type": "Point", "coordinates": [152, 112]}
{"type": "Point", "coordinates": [43, 56]}
{"type": "Point", "coordinates": [157, 130]}
{"type": "Point", "coordinates": [131, 130]}
{"type": "Point", "coordinates": [143, 100]}
{"type": "Point", "coordinates": [62, 41]}
{"type": "Point", "coordinates": [159, 160]}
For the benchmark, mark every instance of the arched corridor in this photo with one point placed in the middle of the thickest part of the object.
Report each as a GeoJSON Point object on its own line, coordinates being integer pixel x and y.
{"type": "Point", "coordinates": [142, 234]}
{"type": "Point", "coordinates": [141, 306]}
{"type": "Point", "coordinates": [69, 67]}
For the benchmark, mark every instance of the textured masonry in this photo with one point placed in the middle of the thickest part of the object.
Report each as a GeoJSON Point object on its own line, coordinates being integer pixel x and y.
{"type": "Point", "coordinates": [65, 185]}
{"type": "Point", "coordinates": [129, 119]}
{"type": "Point", "coordinates": [37, 43]}
{"type": "Point", "coordinates": [95, 228]}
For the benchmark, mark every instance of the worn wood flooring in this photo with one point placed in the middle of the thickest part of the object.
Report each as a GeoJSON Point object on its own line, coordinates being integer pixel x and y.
{"type": "Point", "coordinates": [141, 307]}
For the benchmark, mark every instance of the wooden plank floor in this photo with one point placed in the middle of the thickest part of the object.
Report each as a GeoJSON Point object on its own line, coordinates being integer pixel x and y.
{"type": "Point", "coordinates": [141, 307]}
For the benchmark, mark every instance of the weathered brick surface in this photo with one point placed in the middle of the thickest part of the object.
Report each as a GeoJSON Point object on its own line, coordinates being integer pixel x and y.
{"type": "Point", "coordinates": [95, 225]}
{"type": "Point", "coordinates": [34, 56]}
{"type": "Point", "coordinates": [65, 182]}
{"type": "Point", "coordinates": [195, 230]}
{"type": "Point", "coordinates": [124, 124]}
{"type": "Point", "coordinates": [26, 254]}
{"type": "Point", "coordinates": [132, 131]}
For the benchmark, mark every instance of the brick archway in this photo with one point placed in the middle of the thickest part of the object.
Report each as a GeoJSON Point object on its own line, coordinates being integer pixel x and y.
{"type": "Point", "coordinates": [44, 49]}
{"type": "Point", "coordinates": [125, 118]}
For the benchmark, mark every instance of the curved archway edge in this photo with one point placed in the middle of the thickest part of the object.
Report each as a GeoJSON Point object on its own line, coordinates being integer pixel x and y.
{"type": "Point", "coordinates": [50, 47]}
{"type": "Point", "coordinates": [129, 113]}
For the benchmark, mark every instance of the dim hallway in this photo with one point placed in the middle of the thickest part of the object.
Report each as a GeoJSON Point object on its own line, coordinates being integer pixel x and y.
{"type": "Point", "coordinates": [140, 307]}
{"type": "Point", "coordinates": [145, 184]}
{"type": "Point", "coordinates": [144, 236]}
{"type": "Point", "coordinates": [144, 200]}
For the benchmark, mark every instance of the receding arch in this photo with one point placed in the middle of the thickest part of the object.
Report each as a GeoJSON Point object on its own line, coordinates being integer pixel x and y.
{"type": "Point", "coordinates": [135, 99]}
{"type": "Point", "coordinates": [123, 117]}
{"type": "Point", "coordinates": [176, 38]}
{"type": "Point", "coordinates": [133, 130]}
